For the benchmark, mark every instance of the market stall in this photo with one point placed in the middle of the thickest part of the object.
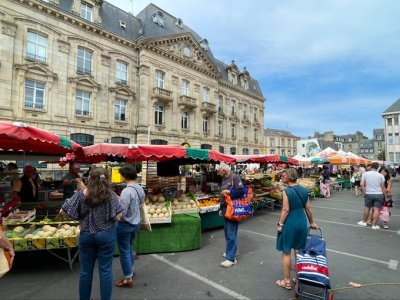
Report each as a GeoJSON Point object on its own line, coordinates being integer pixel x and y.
{"type": "Point", "coordinates": [26, 228]}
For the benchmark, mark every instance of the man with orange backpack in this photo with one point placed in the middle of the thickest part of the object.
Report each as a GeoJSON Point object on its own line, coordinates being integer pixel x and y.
{"type": "Point", "coordinates": [231, 185]}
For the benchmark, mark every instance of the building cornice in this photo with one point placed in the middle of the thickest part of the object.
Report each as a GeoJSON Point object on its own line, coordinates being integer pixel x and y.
{"type": "Point", "coordinates": [54, 11]}
{"type": "Point", "coordinates": [240, 90]}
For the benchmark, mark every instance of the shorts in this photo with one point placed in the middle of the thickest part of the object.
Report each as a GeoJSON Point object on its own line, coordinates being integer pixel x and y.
{"type": "Point", "coordinates": [374, 200]}
{"type": "Point", "coordinates": [357, 183]}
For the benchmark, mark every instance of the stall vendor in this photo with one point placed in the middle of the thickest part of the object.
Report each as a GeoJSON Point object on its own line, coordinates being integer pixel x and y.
{"type": "Point", "coordinates": [71, 180]}
{"type": "Point", "coordinates": [27, 187]}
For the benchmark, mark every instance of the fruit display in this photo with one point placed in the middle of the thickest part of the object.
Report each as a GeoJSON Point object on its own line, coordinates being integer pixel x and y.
{"type": "Point", "coordinates": [209, 204]}
{"type": "Point", "coordinates": [307, 183]}
{"type": "Point", "coordinates": [159, 213]}
{"type": "Point", "coordinates": [184, 206]}
{"type": "Point", "coordinates": [36, 236]}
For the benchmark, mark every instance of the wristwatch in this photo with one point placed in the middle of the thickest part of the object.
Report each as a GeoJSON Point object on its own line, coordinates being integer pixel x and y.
{"type": "Point", "coordinates": [280, 224]}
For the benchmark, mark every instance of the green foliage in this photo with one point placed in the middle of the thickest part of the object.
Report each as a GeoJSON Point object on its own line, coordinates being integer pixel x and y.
{"type": "Point", "coordinates": [382, 155]}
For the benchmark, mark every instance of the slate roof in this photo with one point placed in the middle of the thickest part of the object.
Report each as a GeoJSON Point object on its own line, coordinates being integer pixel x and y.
{"type": "Point", "coordinates": [142, 26]}
{"type": "Point", "coordinates": [366, 144]}
{"type": "Point", "coordinates": [395, 107]}
{"type": "Point", "coordinates": [152, 30]}
{"type": "Point", "coordinates": [275, 132]}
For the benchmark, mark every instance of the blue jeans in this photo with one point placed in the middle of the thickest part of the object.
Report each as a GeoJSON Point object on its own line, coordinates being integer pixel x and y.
{"type": "Point", "coordinates": [91, 246]}
{"type": "Point", "coordinates": [230, 230]}
{"type": "Point", "coordinates": [125, 236]}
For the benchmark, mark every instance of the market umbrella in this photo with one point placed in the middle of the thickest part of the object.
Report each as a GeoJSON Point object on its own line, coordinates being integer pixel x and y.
{"type": "Point", "coordinates": [264, 159]}
{"type": "Point", "coordinates": [18, 136]}
{"type": "Point", "coordinates": [319, 160]}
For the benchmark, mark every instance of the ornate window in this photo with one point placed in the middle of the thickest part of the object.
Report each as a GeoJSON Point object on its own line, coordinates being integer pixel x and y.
{"type": "Point", "coordinates": [83, 139]}
{"type": "Point", "coordinates": [185, 87]}
{"type": "Point", "coordinates": [255, 114]}
{"type": "Point", "coordinates": [120, 140]}
{"type": "Point", "coordinates": [245, 111]}
{"type": "Point", "coordinates": [206, 124]}
{"type": "Point", "coordinates": [36, 47]}
{"type": "Point", "coordinates": [159, 80]}
{"type": "Point", "coordinates": [256, 136]}
{"type": "Point", "coordinates": [185, 120]}
{"type": "Point", "coordinates": [221, 149]}
{"type": "Point", "coordinates": [206, 146]}
{"type": "Point", "coordinates": [282, 142]}
{"type": "Point", "coordinates": [272, 142]}
{"type": "Point", "coordinates": [86, 11]}
{"type": "Point", "coordinates": [233, 130]}
{"type": "Point", "coordinates": [159, 114]}
{"type": "Point", "coordinates": [34, 94]}
{"type": "Point", "coordinates": [158, 18]}
{"type": "Point", "coordinates": [204, 44]}
{"type": "Point", "coordinates": [245, 133]}
{"type": "Point", "coordinates": [256, 151]}
{"type": "Point", "coordinates": [245, 151]}
{"type": "Point", "coordinates": [158, 142]}
{"type": "Point", "coordinates": [84, 61]}
{"type": "Point", "coordinates": [206, 94]}
{"type": "Point", "coordinates": [82, 103]}
{"type": "Point", "coordinates": [120, 110]}
{"type": "Point", "coordinates": [220, 103]}
{"type": "Point", "coordinates": [233, 110]}
{"type": "Point", "coordinates": [233, 150]}
{"type": "Point", "coordinates": [219, 128]}
{"type": "Point", "coordinates": [122, 73]}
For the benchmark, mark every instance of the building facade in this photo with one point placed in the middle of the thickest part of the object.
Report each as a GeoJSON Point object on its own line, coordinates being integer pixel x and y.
{"type": "Point", "coordinates": [92, 72]}
{"type": "Point", "coordinates": [280, 142]}
{"type": "Point", "coordinates": [379, 142]}
{"type": "Point", "coordinates": [392, 140]}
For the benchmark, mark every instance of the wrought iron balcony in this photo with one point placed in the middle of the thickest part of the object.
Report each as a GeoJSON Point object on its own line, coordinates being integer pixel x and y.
{"type": "Point", "coordinates": [35, 106]}
{"type": "Point", "coordinates": [34, 57]}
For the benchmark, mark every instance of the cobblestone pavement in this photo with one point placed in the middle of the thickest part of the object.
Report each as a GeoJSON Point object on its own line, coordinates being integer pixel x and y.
{"type": "Point", "coordinates": [355, 254]}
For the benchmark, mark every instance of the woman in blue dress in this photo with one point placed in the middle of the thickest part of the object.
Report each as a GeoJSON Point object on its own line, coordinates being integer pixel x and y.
{"type": "Point", "coordinates": [292, 226]}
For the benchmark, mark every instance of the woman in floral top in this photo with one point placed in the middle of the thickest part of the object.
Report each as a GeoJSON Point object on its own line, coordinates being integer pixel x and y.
{"type": "Point", "coordinates": [97, 209]}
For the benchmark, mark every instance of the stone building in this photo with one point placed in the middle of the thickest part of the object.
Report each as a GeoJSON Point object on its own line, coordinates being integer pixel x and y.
{"type": "Point", "coordinates": [280, 142]}
{"type": "Point", "coordinates": [94, 73]}
{"type": "Point", "coordinates": [392, 129]}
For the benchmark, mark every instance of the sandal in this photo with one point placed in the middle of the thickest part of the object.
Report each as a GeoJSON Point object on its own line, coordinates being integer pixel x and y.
{"type": "Point", "coordinates": [385, 226]}
{"type": "Point", "coordinates": [124, 283]}
{"type": "Point", "coordinates": [283, 284]}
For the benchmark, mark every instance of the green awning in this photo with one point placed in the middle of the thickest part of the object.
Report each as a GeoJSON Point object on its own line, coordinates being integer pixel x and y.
{"type": "Point", "coordinates": [64, 142]}
{"type": "Point", "coordinates": [197, 154]}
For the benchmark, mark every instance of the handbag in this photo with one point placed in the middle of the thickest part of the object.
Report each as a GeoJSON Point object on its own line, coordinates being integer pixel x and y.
{"type": "Point", "coordinates": [239, 208]}
{"type": "Point", "coordinates": [384, 214]}
{"type": "Point", "coordinates": [144, 217]}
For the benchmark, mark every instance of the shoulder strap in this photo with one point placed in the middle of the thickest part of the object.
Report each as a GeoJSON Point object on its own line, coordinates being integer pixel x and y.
{"type": "Point", "coordinates": [298, 195]}
{"type": "Point", "coordinates": [140, 199]}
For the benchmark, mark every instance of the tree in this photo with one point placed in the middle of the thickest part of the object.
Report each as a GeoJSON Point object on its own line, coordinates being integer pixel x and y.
{"type": "Point", "coordinates": [382, 155]}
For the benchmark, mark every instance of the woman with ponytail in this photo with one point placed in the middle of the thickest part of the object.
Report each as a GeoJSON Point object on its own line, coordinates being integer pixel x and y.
{"type": "Point", "coordinates": [97, 208]}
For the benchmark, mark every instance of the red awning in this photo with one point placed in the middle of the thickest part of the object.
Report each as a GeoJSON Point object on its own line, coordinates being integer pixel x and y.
{"type": "Point", "coordinates": [18, 136]}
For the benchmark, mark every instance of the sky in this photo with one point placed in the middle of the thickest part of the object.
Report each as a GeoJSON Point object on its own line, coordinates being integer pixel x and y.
{"type": "Point", "coordinates": [331, 65]}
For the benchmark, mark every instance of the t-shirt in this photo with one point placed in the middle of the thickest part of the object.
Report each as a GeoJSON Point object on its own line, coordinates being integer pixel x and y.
{"type": "Point", "coordinates": [69, 190]}
{"type": "Point", "coordinates": [373, 181]}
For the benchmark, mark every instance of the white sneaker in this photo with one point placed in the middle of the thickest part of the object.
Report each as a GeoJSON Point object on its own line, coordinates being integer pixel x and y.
{"type": "Point", "coordinates": [376, 227]}
{"type": "Point", "coordinates": [362, 223]}
{"type": "Point", "coordinates": [228, 263]}
{"type": "Point", "coordinates": [237, 253]}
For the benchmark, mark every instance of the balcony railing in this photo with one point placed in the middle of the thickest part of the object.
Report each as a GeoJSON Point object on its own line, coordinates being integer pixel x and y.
{"type": "Point", "coordinates": [34, 57]}
{"type": "Point", "coordinates": [36, 106]}
{"type": "Point", "coordinates": [209, 107]}
{"type": "Point", "coordinates": [187, 101]}
{"type": "Point", "coordinates": [84, 71]}
{"type": "Point", "coordinates": [162, 95]}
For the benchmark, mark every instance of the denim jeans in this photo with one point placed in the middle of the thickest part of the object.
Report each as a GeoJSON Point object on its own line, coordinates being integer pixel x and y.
{"type": "Point", "coordinates": [91, 246]}
{"type": "Point", "coordinates": [230, 230]}
{"type": "Point", "coordinates": [125, 236]}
